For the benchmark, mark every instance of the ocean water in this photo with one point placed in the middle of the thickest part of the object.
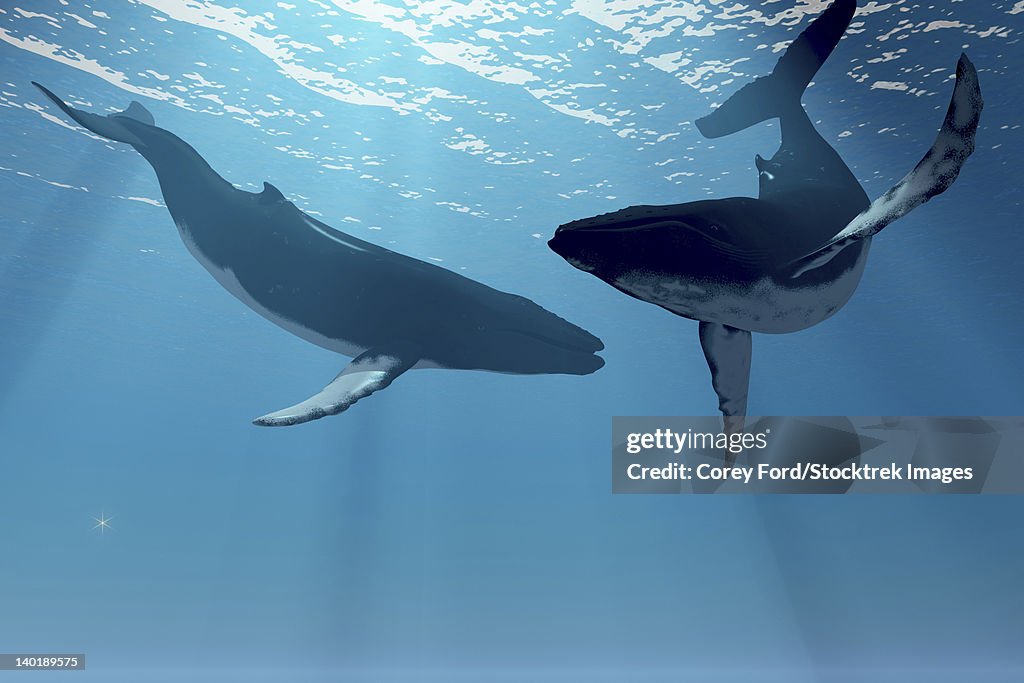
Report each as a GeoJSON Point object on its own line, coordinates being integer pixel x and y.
{"type": "Point", "coordinates": [459, 526]}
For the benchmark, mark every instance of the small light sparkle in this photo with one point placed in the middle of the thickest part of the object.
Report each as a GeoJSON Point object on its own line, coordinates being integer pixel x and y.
{"type": "Point", "coordinates": [102, 522]}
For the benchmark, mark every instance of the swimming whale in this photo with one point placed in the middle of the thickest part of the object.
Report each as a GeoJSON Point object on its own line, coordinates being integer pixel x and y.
{"type": "Point", "coordinates": [389, 312]}
{"type": "Point", "coordinates": [786, 260]}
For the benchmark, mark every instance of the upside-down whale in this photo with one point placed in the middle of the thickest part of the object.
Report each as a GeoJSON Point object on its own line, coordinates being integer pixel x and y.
{"type": "Point", "coordinates": [389, 312]}
{"type": "Point", "coordinates": [790, 258]}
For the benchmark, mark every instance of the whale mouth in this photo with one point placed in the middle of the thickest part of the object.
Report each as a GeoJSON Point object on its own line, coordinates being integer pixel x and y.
{"type": "Point", "coordinates": [580, 265]}
{"type": "Point", "coordinates": [583, 227]}
{"type": "Point", "coordinates": [576, 346]}
{"type": "Point", "coordinates": [572, 241]}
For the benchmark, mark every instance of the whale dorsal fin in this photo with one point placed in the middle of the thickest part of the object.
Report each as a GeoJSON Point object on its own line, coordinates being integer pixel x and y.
{"type": "Point", "coordinates": [138, 113]}
{"type": "Point", "coordinates": [270, 194]}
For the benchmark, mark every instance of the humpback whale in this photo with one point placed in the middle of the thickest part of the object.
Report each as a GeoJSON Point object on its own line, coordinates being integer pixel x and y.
{"type": "Point", "coordinates": [387, 311]}
{"type": "Point", "coordinates": [786, 260]}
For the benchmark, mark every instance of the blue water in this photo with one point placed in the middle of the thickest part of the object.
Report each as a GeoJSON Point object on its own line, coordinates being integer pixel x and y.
{"type": "Point", "coordinates": [460, 526]}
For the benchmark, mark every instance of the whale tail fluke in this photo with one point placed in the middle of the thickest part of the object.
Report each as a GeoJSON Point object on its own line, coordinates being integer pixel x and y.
{"type": "Point", "coordinates": [138, 113]}
{"type": "Point", "coordinates": [769, 96]}
{"type": "Point", "coordinates": [112, 127]}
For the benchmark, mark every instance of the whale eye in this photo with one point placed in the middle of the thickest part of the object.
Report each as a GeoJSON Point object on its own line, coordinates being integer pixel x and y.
{"type": "Point", "coordinates": [718, 233]}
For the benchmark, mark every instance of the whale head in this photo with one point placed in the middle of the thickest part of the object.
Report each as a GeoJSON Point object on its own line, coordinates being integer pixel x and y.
{"type": "Point", "coordinates": [715, 261]}
{"type": "Point", "coordinates": [681, 247]}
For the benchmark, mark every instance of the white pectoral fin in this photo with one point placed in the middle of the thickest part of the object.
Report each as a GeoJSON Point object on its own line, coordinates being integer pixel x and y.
{"type": "Point", "coordinates": [371, 371]}
{"type": "Point", "coordinates": [932, 176]}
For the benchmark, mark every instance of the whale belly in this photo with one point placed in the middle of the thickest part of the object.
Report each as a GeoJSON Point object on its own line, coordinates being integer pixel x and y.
{"type": "Point", "coordinates": [769, 304]}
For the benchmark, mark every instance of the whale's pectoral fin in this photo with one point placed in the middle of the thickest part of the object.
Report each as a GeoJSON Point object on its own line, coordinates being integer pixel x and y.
{"type": "Point", "coordinates": [728, 351]}
{"type": "Point", "coordinates": [371, 371]}
{"type": "Point", "coordinates": [114, 127]}
{"type": "Point", "coordinates": [932, 176]}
